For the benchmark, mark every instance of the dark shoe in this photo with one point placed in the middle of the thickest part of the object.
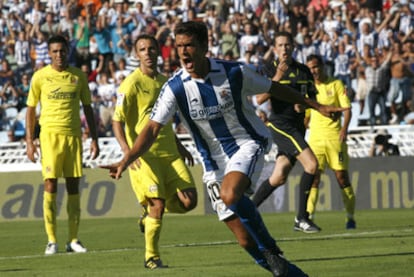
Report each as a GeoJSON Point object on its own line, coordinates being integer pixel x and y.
{"type": "Point", "coordinates": [306, 226]}
{"type": "Point", "coordinates": [154, 263]}
{"type": "Point", "coordinates": [350, 224]}
{"type": "Point", "coordinates": [277, 263]}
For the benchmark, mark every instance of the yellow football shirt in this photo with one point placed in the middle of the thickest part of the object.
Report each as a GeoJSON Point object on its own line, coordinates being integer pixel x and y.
{"type": "Point", "coordinates": [333, 93]}
{"type": "Point", "coordinates": [60, 95]}
{"type": "Point", "coordinates": [136, 97]}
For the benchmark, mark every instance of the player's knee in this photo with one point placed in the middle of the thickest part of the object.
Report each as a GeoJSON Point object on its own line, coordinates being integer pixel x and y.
{"type": "Point", "coordinates": [311, 167]}
{"type": "Point", "coordinates": [227, 196]}
{"type": "Point", "coordinates": [277, 180]}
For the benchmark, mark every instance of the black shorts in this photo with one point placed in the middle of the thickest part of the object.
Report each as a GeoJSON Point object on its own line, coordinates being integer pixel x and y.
{"type": "Point", "coordinates": [289, 140]}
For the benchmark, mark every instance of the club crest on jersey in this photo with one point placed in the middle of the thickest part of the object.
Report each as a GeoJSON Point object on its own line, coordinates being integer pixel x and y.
{"type": "Point", "coordinates": [225, 94]}
{"type": "Point", "coordinates": [153, 188]}
{"type": "Point", "coordinates": [329, 93]}
{"type": "Point", "coordinates": [73, 80]}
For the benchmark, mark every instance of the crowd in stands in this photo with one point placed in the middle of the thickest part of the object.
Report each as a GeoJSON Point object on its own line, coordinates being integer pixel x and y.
{"type": "Point", "coordinates": [348, 34]}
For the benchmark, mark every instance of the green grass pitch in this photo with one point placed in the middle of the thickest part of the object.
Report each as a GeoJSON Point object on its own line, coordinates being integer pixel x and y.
{"type": "Point", "coordinates": [193, 245]}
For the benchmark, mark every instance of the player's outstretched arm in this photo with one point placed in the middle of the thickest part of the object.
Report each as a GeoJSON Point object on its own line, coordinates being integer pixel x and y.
{"type": "Point", "coordinates": [285, 93]}
{"type": "Point", "coordinates": [141, 145]}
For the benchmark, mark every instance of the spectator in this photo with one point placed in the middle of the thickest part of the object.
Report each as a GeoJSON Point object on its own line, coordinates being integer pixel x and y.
{"type": "Point", "coordinates": [66, 23]}
{"type": "Point", "coordinates": [249, 39]}
{"type": "Point", "coordinates": [82, 30]}
{"type": "Point", "coordinates": [6, 73]}
{"type": "Point", "coordinates": [9, 96]}
{"type": "Point", "coordinates": [36, 15]}
{"type": "Point", "coordinates": [121, 72]}
{"type": "Point", "coordinates": [229, 40]}
{"type": "Point", "coordinates": [107, 96]}
{"type": "Point", "coordinates": [120, 38]}
{"type": "Point", "coordinates": [49, 27]}
{"type": "Point", "coordinates": [41, 50]}
{"type": "Point", "coordinates": [361, 90]}
{"type": "Point", "coordinates": [23, 91]}
{"type": "Point", "coordinates": [382, 147]}
{"type": "Point", "coordinates": [343, 65]}
{"type": "Point", "coordinates": [22, 53]}
{"type": "Point", "coordinates": [400, 84]}
{"type": "Point", "coordinates": [102, 36]}
{"type": "Point", "coordinates": [377, 79]}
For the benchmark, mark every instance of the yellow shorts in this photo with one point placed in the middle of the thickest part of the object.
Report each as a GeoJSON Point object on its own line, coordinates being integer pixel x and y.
{"type": "Point", "coordinates": [61, 155]}
{"type": "Point", "coordinates": [160, 178]}
{"type": "Point", "coordinates": [330, 152]}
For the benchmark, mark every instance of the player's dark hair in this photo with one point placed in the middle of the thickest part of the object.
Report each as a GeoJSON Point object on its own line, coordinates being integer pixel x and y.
{"type": "Point", "coordinates": [149, 37]}
{"type": "Point", "coordinates": [57, 39]}
{"type": "Point", "coordinates": [284, 34]}
{"type": "Point", "coordinates": [314, 57]}
{"type": "Point", "coordinates": [197, 30]}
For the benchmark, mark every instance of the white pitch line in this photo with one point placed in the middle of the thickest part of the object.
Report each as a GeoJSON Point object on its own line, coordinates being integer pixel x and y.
{"type": "Point", "coordinates": [226, 242]}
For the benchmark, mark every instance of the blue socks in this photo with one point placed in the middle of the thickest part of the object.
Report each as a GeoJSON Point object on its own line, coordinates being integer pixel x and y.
{"type": "Point", "coordinates": [253, 222]}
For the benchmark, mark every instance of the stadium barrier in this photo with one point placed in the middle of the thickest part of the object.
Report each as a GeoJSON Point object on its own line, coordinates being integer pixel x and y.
{"type": "Point", "coordinates": [379, 183]}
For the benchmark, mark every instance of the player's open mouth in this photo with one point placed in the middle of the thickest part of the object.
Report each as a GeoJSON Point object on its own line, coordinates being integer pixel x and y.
{"type": "Point", "coordinates": [188, 63]}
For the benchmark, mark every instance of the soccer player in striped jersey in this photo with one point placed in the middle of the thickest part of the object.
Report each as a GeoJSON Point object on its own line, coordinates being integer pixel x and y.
{"type": "Point", "coordinates": [212, 99]}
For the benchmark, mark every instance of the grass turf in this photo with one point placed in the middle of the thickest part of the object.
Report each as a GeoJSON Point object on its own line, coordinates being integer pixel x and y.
{"type": "Point", "coordinates": [382, 245]}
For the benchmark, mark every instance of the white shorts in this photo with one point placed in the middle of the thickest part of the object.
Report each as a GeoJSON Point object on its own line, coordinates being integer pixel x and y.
{"type": "Point", "coordinates": [248, 160]}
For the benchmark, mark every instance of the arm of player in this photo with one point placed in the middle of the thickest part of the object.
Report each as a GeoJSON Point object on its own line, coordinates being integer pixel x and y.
{"type": "Point", "coordinates": [31, 150]}
{"type": "Point", "coordinates": [141, 145]}
{"type": "Point", "coordinates": [285, 93]}
{"type": "Point", "coordinates": [119, 132]}
{"type": "Point", "coordinates": [344, 130]}
{"type": "Point", "coordinates": [90, 118]}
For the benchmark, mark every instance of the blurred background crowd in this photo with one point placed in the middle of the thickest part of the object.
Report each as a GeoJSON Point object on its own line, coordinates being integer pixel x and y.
{"type": "Point", "coordinates": [350, 35]}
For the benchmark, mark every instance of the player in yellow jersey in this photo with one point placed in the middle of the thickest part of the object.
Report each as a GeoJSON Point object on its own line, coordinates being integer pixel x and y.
{"type": "Point", "coordinates": [60, 88]}
{"type": "Point", "coordinates": [327, 138]}
{"type": "Point", "coordinates": [160, 178]}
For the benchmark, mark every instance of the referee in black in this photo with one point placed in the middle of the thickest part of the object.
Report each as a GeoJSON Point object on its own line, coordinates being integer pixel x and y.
{"type": "Point", "coordinates": [286, 123]}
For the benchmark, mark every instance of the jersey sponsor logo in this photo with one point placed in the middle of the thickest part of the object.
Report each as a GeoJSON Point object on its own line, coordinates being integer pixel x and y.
{"type": "Point", "coordinates": [212, 112]}
{"type": "Point", "coordinates": [55, 94]}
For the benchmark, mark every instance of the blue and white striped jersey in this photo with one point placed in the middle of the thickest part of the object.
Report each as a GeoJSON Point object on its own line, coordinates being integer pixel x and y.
{"type": "Point", "coordinates": [216, 110]}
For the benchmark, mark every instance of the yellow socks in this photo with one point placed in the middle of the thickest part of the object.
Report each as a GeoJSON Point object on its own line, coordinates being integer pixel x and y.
{"type": "Point", "coordinates": [49, 215]}
{"type": "Point", "coordinates": [73, 210]}
{"type": "Point", "coordinates": [152, 237]}
{"type": "Point", "coordinates": [312, 201]}
{"type": "Point", "coordinates": [348, 198]}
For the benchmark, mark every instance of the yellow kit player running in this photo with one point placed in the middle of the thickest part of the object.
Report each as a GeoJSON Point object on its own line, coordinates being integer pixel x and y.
{"type": "Point", "coordinates": [160, 178]}
{"type": "Point", "coordinates": [60, 89]}
{"type": "Point", "coordinates": [327, 138]}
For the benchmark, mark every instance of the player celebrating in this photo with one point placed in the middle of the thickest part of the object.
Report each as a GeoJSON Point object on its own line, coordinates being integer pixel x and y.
{"type": "Point", "coordinates": [211, 96]}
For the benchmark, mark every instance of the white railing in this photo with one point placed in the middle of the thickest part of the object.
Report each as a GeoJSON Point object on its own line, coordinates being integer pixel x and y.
{"type": "Point", "coordinates": [13, 155]}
